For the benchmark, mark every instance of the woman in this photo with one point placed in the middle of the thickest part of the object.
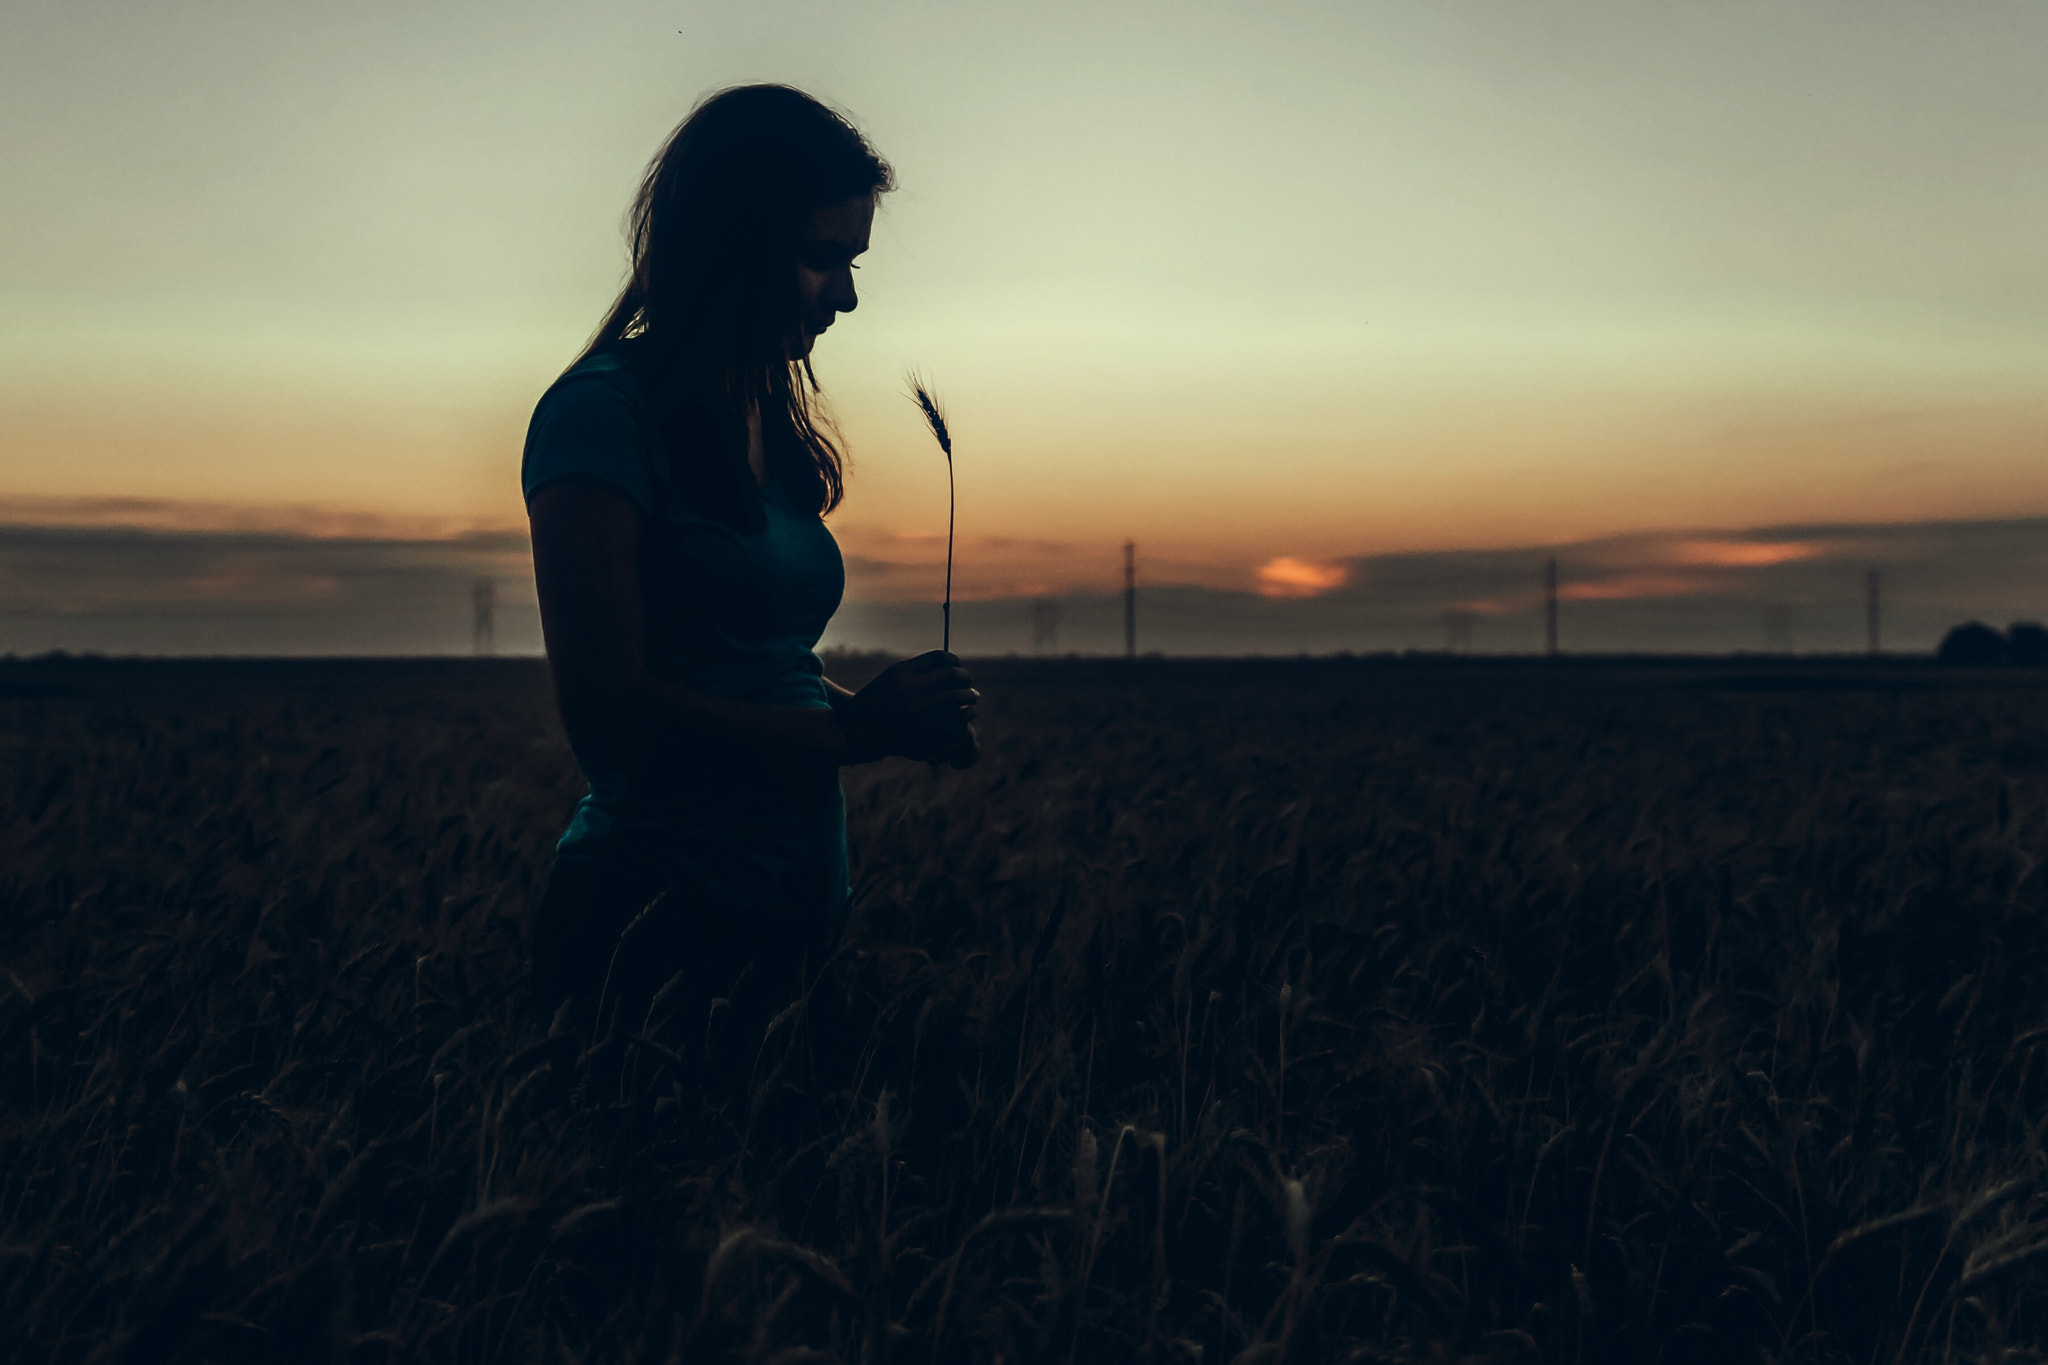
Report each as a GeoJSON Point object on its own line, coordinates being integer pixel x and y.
{"type": "Point", "coordinates": [676, 477]}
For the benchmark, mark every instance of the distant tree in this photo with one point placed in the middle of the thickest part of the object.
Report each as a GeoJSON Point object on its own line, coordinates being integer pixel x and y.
{"type": "Point", "coordinates": [2026, 643]}
{"type": "Point", "coordinates": [1972, 645]}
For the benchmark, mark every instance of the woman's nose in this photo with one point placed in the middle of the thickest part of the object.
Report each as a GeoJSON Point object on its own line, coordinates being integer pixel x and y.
{"type": "Point", "coordinates": [843, 298]}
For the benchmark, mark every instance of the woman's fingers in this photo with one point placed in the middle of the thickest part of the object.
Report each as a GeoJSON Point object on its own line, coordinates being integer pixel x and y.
{"type": "Point", "coordinates": [939, 724]}
{"type": "Point", "coordinates": [915, 671]}
{"type": "Point", "coordinates": [941, 680]}
{"type": "Point", "coordinates": [926, 672]}
{"type": "Point", "coordinates": [909, 702]}
{"type": "Point", "coordinates": [944, 703]}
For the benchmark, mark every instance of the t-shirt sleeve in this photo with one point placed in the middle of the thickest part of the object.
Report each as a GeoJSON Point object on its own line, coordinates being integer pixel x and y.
{"type": "Point", "coordinates": [586, 429]}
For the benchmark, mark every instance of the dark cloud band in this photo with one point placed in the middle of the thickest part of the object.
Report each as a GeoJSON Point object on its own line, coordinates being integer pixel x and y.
{"type": "Point", "coordinates": [126, 590]}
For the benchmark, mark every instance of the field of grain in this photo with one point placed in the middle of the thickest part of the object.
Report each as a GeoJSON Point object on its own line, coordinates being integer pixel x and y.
{"type": "Point", "coordinates": [1317, 1011]}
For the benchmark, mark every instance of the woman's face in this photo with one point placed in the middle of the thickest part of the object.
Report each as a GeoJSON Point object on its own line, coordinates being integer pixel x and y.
{"type": "Point", "coordinates": [833, 236]}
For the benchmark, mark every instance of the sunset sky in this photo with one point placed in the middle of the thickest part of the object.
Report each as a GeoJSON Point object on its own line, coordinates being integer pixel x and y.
{"type": "Point", "coordinates": [1270, 289]}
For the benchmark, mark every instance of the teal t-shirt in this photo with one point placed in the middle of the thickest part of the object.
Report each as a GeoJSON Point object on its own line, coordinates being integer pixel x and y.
{"type": "Point", "coordinates": [733, 613]}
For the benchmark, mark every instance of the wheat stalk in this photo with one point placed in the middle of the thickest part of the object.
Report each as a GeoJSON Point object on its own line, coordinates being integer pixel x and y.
{"type": "Point", "coordinates": [935, 418]}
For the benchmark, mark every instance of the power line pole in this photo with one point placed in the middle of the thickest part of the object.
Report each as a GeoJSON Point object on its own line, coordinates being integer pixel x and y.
{"type": "Point", "coordinates": [1130, 599]}
{"type": "Point", "coordinates": [1045, 625]}
{"type": "Point", "coordinates": [1550, 605]}
{"type": "Point", "coordinates": [483, 602]}
{"type": "Point", "coordinates": [1873, 608]}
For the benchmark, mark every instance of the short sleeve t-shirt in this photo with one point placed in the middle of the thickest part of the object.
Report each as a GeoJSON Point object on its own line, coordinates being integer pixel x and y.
{"type": "Point", "coordinates": [733, 613]}
{"type": "Point", "coordinates": [588, 424]}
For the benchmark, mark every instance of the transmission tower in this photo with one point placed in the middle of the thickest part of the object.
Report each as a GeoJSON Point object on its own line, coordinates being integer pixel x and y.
{"type": "Point", "coordinates": [1045, 625]}
{"type": "Point", "coordinates": [1550, 605]}
{"type": "Point", "coordinates": [483, 598]}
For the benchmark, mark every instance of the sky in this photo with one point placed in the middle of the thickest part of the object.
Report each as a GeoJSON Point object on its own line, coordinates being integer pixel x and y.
{"type": "Point", "coordinates": [1279, 292]}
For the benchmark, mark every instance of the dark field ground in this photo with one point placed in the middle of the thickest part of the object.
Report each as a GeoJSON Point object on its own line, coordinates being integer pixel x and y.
{"type": "Point", "coordinates": [1253, 1012]}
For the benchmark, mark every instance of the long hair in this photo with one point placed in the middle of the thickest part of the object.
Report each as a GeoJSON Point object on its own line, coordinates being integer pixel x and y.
{"type": "Point", "coordinates": [705, 315]}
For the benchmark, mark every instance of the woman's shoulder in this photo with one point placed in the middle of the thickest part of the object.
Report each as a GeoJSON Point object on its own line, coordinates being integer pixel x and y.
{"type": "Point", "coordinates": [588, 423]}
{"type": "Point", "coordinates": [599, 384]}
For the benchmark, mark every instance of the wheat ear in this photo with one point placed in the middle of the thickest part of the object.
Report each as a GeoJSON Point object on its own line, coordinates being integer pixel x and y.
{"type": "Point", "coordinates": [935, 418]}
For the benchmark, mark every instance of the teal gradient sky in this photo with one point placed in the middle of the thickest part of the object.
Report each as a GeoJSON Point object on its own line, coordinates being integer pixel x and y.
{"type": "Point", "coordinates": [1303, 281]}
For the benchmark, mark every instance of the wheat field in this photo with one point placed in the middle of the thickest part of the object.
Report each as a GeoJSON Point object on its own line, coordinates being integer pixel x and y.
{"type": "Point", "coordinates": [1279, 1011]}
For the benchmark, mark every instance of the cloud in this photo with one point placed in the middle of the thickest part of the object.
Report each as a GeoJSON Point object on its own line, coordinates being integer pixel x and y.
{"type": "Point", "coordinates": [1743, 554]}
{"type": "Point", "coordinates": [1290, 577]}
{"type": "Point", "coordinates": [294, 519]}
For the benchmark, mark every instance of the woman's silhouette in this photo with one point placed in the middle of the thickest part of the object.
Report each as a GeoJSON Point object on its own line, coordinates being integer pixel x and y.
{"type": "Point", "coordinates": [676, 477]}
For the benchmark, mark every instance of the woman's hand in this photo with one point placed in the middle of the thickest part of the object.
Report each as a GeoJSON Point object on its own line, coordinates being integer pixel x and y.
{"type": "Point", "coordinates": [920, 708]}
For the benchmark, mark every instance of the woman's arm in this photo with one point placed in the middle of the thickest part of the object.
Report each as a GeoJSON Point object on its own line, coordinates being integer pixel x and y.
{"type": "Point", "coordinates": [586, 559]}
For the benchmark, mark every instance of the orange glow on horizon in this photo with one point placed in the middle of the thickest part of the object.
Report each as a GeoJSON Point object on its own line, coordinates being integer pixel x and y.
{"type": "Point", "coordinates": [1742, 554]}
{"type": "Point", "coordinates": [1290, 577]}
